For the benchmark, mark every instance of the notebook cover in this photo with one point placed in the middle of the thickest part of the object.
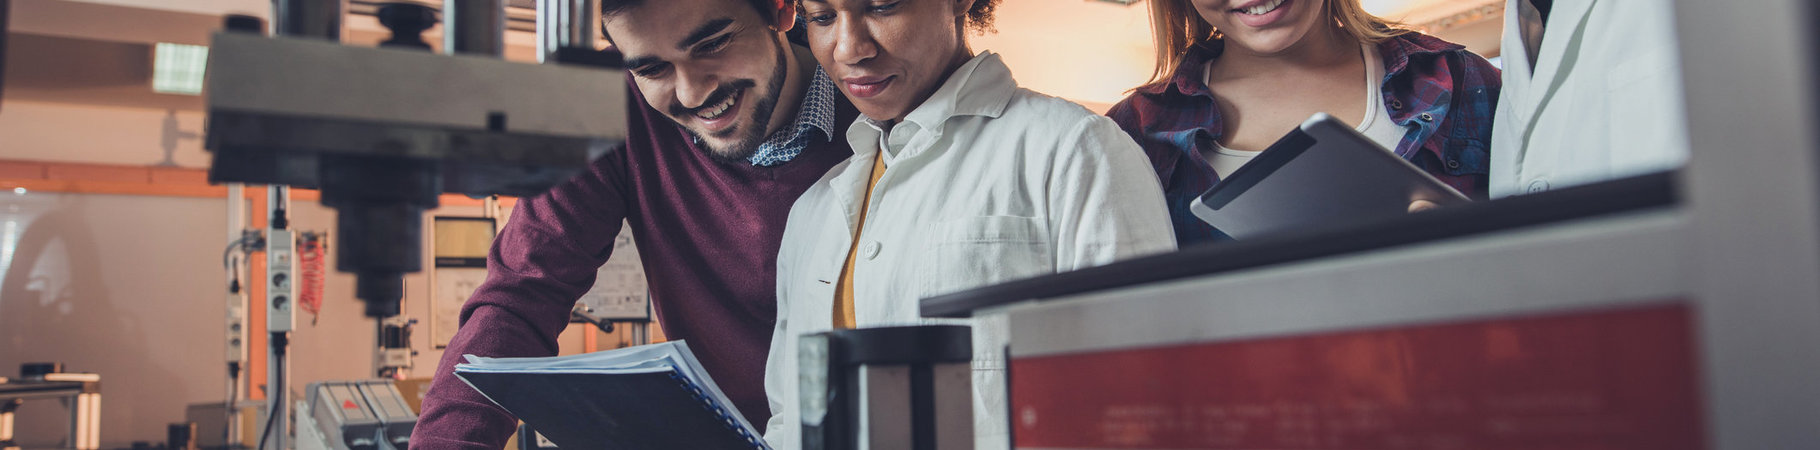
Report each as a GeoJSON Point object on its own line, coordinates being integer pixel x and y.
{"type": "Point", "coordinates": [612, 411]}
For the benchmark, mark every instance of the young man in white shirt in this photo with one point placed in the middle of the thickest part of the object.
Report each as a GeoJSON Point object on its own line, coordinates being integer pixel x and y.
{"type": "Point", "coordinates": [959, 179]}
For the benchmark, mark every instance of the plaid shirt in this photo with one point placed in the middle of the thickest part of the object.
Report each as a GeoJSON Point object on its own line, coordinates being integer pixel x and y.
{"type": "Point", "coordinates": [816, 114]}
{"type": "Point", "coordinates": [1442, 93]}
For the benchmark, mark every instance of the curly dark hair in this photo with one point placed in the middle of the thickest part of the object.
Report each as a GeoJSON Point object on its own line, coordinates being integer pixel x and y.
{"type": "Point", "coordinates": [980, 17]}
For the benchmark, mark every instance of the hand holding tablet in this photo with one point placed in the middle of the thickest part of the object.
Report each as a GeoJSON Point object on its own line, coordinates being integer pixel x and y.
{"type": "Point", "coordinates": [1322, 172]}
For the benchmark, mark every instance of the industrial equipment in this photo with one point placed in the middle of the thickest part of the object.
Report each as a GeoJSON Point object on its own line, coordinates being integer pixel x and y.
{"type": "Point", "coordinates": [354, 415]}
{"type": "Point", "coordinates": [81, 391]}
{"type": "Point", "coordinates": [393, 357]}
{"type": "Point", "coordinates": [383, 132]}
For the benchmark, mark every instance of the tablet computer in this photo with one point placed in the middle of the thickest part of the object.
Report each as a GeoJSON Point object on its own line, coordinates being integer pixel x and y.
{"type": "Point", "coordinates": [1320, 173]}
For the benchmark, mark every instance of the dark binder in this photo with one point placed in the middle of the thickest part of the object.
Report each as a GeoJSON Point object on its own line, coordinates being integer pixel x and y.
{"type": "Point", "coordinates": [647, 397]}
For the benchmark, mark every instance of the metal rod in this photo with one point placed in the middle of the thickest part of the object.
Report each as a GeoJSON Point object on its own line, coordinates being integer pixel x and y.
{"type": "Point", "coordinates": [5, 5]}
{"type": "Point", "coordinates": [319, 19]}
{"type": "Point", "coordinates": [474, 27]}
{"type": "Point", "coordinates": [236, 309]}
{"type": "Point", "coordinates": [379, 349]}
{"type": "Point", "coordinates": [565, 24]}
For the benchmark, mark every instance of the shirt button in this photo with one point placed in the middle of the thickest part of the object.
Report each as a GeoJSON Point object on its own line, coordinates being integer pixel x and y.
{"type": "Point", "coordinates": [1396, 105]}
{"type": "Point", "coordinates": [1453, 164]}
{"type": "Point", "coordinates": [870, 250]}
{"type": "Point", "coordinates": [1426, 117]}
{"type": "Point", "coordinates": [1538, 186]}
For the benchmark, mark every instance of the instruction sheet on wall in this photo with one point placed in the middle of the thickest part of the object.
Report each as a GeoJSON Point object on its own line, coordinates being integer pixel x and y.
{"type": "Point", "coordinates": [453, 286]}
{"type": "Point", "coordinates": [460, 246]}
{"type": "Point", "coordinates": [620, 291]}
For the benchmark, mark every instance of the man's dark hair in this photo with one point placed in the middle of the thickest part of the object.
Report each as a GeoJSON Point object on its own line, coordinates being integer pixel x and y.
{"type": "Point", "coordinates": [767, 9]}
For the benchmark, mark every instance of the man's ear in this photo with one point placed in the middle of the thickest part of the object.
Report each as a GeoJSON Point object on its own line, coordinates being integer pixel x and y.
{"type": "Point", "coordinates": [786, 16]}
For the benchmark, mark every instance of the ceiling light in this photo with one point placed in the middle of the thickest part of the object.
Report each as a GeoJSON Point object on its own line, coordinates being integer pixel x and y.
{"type": "Point", "coordinates": [178, 68]}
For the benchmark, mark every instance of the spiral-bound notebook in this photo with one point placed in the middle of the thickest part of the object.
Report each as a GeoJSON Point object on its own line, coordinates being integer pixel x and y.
{"type": "Point", "coordinates": [646, 397]}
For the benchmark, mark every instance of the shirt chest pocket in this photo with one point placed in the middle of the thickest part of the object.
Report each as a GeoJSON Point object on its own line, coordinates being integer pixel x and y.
{"type": "Point", "coordinates": [976, 251]}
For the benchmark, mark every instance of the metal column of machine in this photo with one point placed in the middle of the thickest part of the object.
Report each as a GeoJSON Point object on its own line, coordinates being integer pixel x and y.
{"type": "Point", "coordinates": [474, 27]}
{"type": "Point", "coordinates": [470, 28]}
{"type": "Point", "coordinates": [565, 28]}
{"type": "Point", "coordinates": [313, 19]}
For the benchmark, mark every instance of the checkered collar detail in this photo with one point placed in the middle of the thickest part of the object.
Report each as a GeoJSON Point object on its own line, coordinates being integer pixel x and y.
{"type": "Point", "coordinates": [816, 114]}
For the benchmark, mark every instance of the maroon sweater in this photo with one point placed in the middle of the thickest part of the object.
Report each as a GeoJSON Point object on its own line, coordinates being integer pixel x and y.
{"type": "Point", "coordinates": [707, 232]}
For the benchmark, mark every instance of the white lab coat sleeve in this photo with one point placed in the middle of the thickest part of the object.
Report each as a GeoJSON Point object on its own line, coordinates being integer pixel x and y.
{"type": "Point", "coordinates": [783, 430]}
{"type": "Point", "coordinates": [1105, 203]}
{"type": "Point", "coordinates": [1507, 145]}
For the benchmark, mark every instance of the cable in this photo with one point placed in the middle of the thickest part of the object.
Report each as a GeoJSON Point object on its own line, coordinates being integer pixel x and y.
{"type": "Point", "coordinates": [227, 432]}
{"type": "Point", "coordinates": [230, 256]}
{"type": "Point", "coordinates": [310, 250]}
{"type": "Point", "coordinates": [279, 342]}
{"type": "Point", "coordinates": [231, 263]}
{"type": "Point", "coordinates": [280, 219]}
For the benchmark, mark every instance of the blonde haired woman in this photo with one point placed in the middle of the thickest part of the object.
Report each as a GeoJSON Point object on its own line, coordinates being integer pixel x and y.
{"type": "Point", "coordinates": [1232, 76]}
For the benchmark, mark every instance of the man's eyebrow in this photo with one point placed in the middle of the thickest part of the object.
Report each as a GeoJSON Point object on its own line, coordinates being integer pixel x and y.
{"type": "Point", "coordinates": [634, 63]}
{"type": "Point", "coordinates": [703, 31]}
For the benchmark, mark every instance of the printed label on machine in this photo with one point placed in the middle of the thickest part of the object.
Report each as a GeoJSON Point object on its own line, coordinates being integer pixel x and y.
{"type": "Point", "coordinates": [1609, 379]}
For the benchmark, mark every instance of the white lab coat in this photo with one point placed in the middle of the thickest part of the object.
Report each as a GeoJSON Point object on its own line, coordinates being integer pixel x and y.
{"type": "Point", "coordinates": [985, 183]}
{"type": "Point", "coordinates": [1604, 101]}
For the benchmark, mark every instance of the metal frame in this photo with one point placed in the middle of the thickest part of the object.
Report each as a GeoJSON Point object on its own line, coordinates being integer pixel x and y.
{"type": "Point", "coordinates": [1488, 276]}
{"type": "Point", "coordinates": [1753, 189]}
{"type": "Point", "coordinates": [84, 399]}
{"type": "Point", "coordinates": [238, 331]}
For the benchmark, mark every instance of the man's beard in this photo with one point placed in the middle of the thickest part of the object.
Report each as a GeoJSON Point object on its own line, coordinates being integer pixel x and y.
{"type": "Point", "coordinates": [751, 136]}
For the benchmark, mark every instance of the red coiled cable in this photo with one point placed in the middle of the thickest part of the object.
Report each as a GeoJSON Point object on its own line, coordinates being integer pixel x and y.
{"type": "Point", "coordinates": [311, 262]}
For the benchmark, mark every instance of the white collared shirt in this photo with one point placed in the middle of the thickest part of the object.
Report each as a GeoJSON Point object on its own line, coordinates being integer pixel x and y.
{"type": "Point", "coordinates": [1602, 102]}
{"type": "Point", "coordinates": [984, 183]}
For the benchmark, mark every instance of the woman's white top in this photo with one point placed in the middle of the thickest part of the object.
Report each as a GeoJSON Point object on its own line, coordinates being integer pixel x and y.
{"type": "Point", "coordinates": [1376, 124]}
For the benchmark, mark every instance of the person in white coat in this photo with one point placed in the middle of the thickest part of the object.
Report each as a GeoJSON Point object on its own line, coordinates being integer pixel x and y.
{"type": "Point", "coordinates": [1592, 92]}
{"type": "Point", "coordinates": [959, 179]}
